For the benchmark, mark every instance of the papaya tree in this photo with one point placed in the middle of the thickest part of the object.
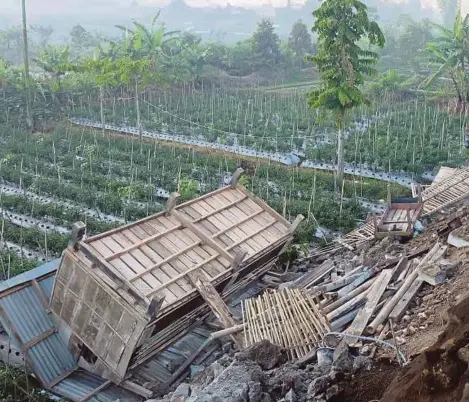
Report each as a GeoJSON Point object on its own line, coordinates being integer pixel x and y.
{"type": "Point", "coordinates": [343, 65]}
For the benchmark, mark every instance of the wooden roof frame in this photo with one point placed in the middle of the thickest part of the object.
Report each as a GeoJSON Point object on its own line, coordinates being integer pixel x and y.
{"type": "Point", "coordinates": [150, 300]}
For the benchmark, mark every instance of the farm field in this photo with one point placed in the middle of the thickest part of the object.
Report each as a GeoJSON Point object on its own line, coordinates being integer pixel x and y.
{"type": "Point", "coordinates": [52, 180]}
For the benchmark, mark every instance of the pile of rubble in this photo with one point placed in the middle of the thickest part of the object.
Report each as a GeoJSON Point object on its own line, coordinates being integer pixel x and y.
{"type": "Point", "coordinates": [261, 373]}
{"type": "Point", "coordinates": [393, 291]}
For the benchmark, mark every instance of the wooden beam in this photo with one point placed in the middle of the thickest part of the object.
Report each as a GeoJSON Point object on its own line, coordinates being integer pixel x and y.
{"type": "Point", "coordinates": [201, 235]}
{"type": "Point", "coordinates": [255, 233]}
{"type": "Point", "coordinates": [155, 306]}
{"type": "Point", "coordinates": [171, 203]}
{"type": "Point", "coordinates": [216, 303]}
{"type": "Point", "coordinates": [39, 338]}
{"type": "Point", "coordinates": [226, 206]}
{"type": "Point", "coordinates": [165, 261]}
{"type": "Point", "coordinates": [41, 294]}
{"type": "Point", "coordinates": [373, 297]}
{"type": "Point", "coordinates": [142, 243]}
{"type": "Point", "coordinates": [61, 377]}
{"type": "Point", "coordinates": [235, 178]}
{"type": "Point", "coordinates": [264, 205]}
{"type": "Point", "coordinates": [300, 218]}
{"type": "Point", "coordinates": [95, 391]}
{"type": "Point", "coordinates": [239, 257]}
{"type": "Point", "coordinates": [182, 275]}
{"type": "Point", "coordinates": [136, 389]}
{"type": "Point", "coordinates": [78, 232]}
{"type": "Point", "coordinates": [401, 306]}
{"type": "Point", "coordinates": [236, 224]}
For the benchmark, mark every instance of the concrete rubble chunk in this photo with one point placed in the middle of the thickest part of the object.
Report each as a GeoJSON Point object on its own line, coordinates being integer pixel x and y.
{"type": "Point", "coordinates": [291, 396]}
{"type": "Point", "coordinates": [458, 238]}
{"type": "Point", "coordinates": [232, 385]}
{"type": "Point", "coordinates": [342, 358]}
{"type": "Point", "coordinates": [181, 393]}
{"type": "Point", "coordinates": [318, 386]}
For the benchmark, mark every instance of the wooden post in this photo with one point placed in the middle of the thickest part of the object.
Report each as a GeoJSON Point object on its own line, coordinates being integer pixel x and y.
{"type": "Point", "coordinates": [216, 303]}
{"type": "Point", "coordinates": [235, 267]}
{"type": "Point", "coordinates": [300, 218]}
{"type": "Point", "coordinates": [419, 192]}
{"type": "Point", "coordinates": [172, 201]}
{"type": "Point", "coordinates": [389, 193]}
{"type": "Point", "coordinates": [155, 306]}
{"type": "Point", "coordinates": [78, 232]}
{"type": "Point", "coordinates": [236, 175]}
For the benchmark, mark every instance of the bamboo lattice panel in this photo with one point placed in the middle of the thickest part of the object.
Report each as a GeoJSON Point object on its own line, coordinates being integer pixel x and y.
{"type": "Point", "coordinates": [237, 221]}
{"type": "Point", "coordinates": [288, 318]}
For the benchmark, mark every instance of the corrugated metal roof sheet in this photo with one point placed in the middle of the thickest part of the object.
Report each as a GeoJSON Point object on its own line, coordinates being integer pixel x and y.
{"type": "Point", "coordinates": [81, 383]}
{"type": "Point", "coordinates": [30, 275]}
{"type": "Point", "coordinates": [26, 313]}
{"type": "Point", "coordinates": [51, 358]}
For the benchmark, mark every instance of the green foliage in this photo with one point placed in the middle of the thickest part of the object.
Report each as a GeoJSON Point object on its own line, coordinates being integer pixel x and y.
{"type": "Point", "coordinates": [450, 54]}
{"type": "Point", "coordinates": [188, 188]}
{"type": "Point", "coordinates": [342, 64]}
{"type": "Point", "coordinates": [300, 41]}
{"type": "Point", "coordinates": [266, 44]}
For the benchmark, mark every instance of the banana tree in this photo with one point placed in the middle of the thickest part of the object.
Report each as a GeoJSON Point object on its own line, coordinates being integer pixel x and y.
{"type": "Point", "coordinates": [149, 42]}
{"type": "Point", "coordinates": [54, 61]}
{"type": "Point", "coordinates": [449, 53]}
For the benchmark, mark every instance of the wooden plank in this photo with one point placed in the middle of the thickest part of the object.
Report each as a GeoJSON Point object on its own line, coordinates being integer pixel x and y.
{"type": "Point", "coordinates": [142, 243]}
{"type": "Point", "coordinates": [373, 297]}
{"type": "Point", "coordinates": [401, 266]}
{"type": "Point", "coordinates": [188, 223]}
{"type": "Point", "coordinates": [227, 206]}
{"type": "Point", "coordinates": [136, 389]}
{"type": "Point", "coordinates": [182, 275]}
{"type": "Point", "coordinates": [264, 205]}
{"type": "Point", "coordinates": [230, 218]}
{"type": "Point", "coordinates": [165, 261]}
{"type": "Point", "coordinates": [258, 231]}
{"type": "Point", "coordinates": [216, 303]}
{"type": "Point", "coordinates": [61, 377]}
{"type": "Point", "coordinates": [402, 305]}
{"type": "Point", "coordinates": [110, 271]}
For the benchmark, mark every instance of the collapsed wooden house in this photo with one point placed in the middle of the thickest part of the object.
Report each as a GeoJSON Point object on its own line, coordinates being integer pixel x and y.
{"type": "Point", "coordinates": [130, 292]}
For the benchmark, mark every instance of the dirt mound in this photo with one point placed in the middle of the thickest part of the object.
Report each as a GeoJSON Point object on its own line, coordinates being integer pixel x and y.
{"type": "Point", "coordinates": [440, 373]}
{"type": "Point", "coordinates": [366, 385]}
{"type": "Point", "coordinates": [265, 354]}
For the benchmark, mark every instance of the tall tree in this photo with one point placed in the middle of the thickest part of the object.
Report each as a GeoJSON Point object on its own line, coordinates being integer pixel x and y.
{"type": "Point", "coordinates": [42, 33]}
{"type": "Point", "coordinates": [27, 81]}
{"type": "Point", "coordinates": [300, 41]}
{"type": "Point", "coordinates": [342, 64]}
{"type": "Point", "coordinates": [266, 43]}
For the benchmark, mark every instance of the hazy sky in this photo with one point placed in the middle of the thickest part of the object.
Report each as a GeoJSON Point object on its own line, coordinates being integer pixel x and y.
{"type": "Point", "coordinates": [57, 7]}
